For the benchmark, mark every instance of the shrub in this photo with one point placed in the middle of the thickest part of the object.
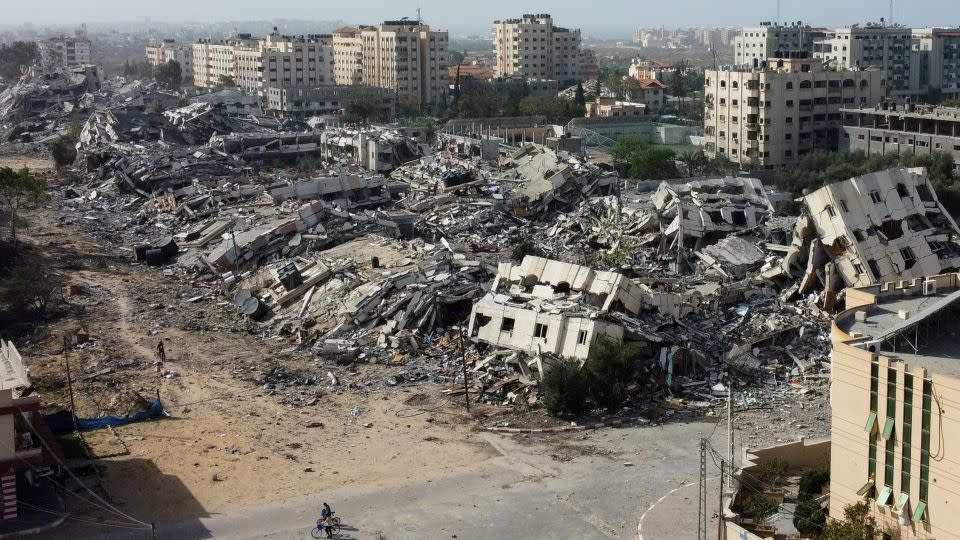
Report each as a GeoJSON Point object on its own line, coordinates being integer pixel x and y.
{"type": "Point", "coordinates": [526, 247]}
{"type": "Point", "coordinates": [812, 482]}
{"type": "Point", "coordinates": [63, 151]}
{"type": "Point", "coordinates": [565, 390]}
{"type": "Point", "coordinates": [609, 371]}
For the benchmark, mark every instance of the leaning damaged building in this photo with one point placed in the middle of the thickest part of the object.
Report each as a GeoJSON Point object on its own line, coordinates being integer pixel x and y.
{"type": "Point", "coordinates": [875, 228]}
{"type": "Point", "coordinates": [544, 306]}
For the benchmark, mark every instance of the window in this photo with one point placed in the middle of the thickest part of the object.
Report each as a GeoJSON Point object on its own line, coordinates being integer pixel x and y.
{"type": "Point", "coordinates": [843, 205]}
{"type": "Point", "coordinates": [582, 337]}
{"type": "Point", "coordinates": [875, 197]}
{"type": "Point", "coordinates": [540, 331]}
{"type": "Point", "coordinates": [909, 259]}
{"type": "Point", "coordinates": [902, 191]}
{"type": "Point", "coordinates": [874, 269]}
{"type": "Point", "coordinates": [858, 268]}
{"type": "Point", "coordinates": [906, 435]}
{"type": "Point", "coordinates": [830, 212]}
{"type": "Point", "coordinates": [925, 440]}
{"type": "Point", "coordinates": [507, 324]}
{"type": "Point", "coordinates": [888, 464]}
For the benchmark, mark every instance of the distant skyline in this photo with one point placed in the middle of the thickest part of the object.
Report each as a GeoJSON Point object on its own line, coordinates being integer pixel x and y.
{"type": "Point", "coordinates": [600, 17]}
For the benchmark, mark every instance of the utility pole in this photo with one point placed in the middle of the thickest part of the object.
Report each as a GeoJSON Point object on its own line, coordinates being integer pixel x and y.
{"type": "Point", "coordinates": [730, 422]}
{"type": "Point", "coordinates": [720, 523]}
{"type": "Point", "coordinates": [66, 359]}
{"type": "Point", "coordinates": [463, 364]}
{"type": "Point", "coordinates": [702, 497]}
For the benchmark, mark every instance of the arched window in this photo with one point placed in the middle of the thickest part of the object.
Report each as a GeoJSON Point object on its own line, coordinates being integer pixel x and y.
{"type": "Point", "coordinates": [734, 84]}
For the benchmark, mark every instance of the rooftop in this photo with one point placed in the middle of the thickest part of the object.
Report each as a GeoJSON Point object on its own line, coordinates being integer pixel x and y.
{"type": "Point", "coordinates": [919, 329]}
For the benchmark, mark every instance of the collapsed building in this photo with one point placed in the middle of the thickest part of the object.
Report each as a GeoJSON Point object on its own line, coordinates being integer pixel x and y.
{"type": "Point", "coordinates": [696, 212]}
{"type": "Point", "coordinates": [41, 106]}
{"type": "Point", "coordinates": [880, 227]}
{"type": "Point", "coordinates": [544, 306]}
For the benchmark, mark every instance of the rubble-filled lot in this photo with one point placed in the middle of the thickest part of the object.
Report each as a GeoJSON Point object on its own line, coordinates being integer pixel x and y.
{"type": "Point", "coordinates": [308, 308]}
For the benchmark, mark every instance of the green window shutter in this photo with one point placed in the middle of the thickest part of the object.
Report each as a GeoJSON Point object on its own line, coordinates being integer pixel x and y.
{"type": "Point", "coordinates": [888, 428]}
{"type": "Point", "coordinates": [884, 497]}
{"type": "Point", "coordinates": [871, 423]}
{"type": "Point", "coordinates": [901, 502]}
{"type": "Point", "coordinates": [866, 490]}
{"type": "Point", "coordinates": [920, 513]}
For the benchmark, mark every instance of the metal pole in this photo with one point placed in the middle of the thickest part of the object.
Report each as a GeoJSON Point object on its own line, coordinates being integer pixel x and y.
{"type": "Point", "coordinates": [463, 365]}
{"type": "Point", "coordinates": [702, 494]}
{"type": "Point", "coordinates": [730, 421]}
{"type": "Point", "coordinates": [66, 358]}
{"type": "Point", "coordinates": [720, 523]}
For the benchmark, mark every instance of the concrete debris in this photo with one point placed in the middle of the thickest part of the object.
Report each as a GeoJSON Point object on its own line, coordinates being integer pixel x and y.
{"type": "Point", "coordinates": [364, 245]}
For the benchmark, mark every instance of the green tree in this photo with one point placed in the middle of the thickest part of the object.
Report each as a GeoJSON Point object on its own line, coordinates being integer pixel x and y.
{"type": "Point", "coordinates": [226, 81]}
{"type": "Point", "coordinates": [408, 106]}
{"type": "Point", "coordinates": [565, 390]}
{"type": "Point", "coordinates": [19, 190]}
{"type": "Point", "coordinates": [643, 161]}
{"type": "Point", "coordinates": [609, 370]}
{"type": "Point", "coordinates": [581, 96]}
{"type": "Point", "coordinates": [597, 89]}
{"type": "Point", "coordinates": [169, 75]}
{"type": "Point", "coordinates": [678, 82]}
{"type": "Point", "coordinates": [761, 506]}
{"type": "Point", "coordinates": [364, 106]}
{"type": "Point", "coordinates": [31, 286]}
{"type": "Point", "coordinates": [857, 524]}
{"type": "Point", "coordinates": [63, 151]}
{"type": "Point", "coordinates": [14, 55]}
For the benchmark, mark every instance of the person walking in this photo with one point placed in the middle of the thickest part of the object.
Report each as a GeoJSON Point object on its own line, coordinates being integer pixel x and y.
{"type": "Point", "coordinates": [161, 354]}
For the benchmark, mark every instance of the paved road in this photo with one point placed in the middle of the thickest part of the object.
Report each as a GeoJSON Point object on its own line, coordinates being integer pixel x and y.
{"type": "Point", "coordinates": [521, 493]}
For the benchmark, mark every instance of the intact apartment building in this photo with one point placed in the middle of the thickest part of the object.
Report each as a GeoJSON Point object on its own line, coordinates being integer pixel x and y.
{"type": "Point", "coordinates": [892, 129]}
{"type": "Point", "coordinates": [65, 51]}
{"type": "Point", "coordinates": [532, 47]}
{"type": "Point", "coordinates": [757, 44]}
{"type": "Point", "coordinates": [915, 62]}
{"type": "Point", "coordinates": [214, 60]}
{"type": "Point", "coordinates": [774, 115]}
{"type": "Point", "coordinates": [284, 62]}
{"type": "Point", "coordinates": [406, 57]}
{"type": "Point", "coordinates": [348, 56]}
{"type": "Point", "coordinates": [895, 378]}
{"type": "Point", "coordinates": [169, 50]}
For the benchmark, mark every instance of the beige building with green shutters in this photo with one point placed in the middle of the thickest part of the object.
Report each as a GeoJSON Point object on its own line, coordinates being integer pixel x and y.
{"type": "Point", "coordinates": [894, 392]}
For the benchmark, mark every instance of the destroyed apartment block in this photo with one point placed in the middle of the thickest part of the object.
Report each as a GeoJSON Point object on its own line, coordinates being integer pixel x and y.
{"type": "Point", "coordinates": [546, 180]}
{"type": "Point", "coordinates": [880, 227]}
{"type": "Point", "coordinates": [698, 212]}
{"type": "Point", "coordinates": [267, 146]}
{"type": "Point", "coordinates": [375, 149]}
{"type": "Point", "coordinates": [346, 191]}
{"type": "Point", "coordinates": [118, 126]}
{"type": "Point", "coordinates": [545, 306]}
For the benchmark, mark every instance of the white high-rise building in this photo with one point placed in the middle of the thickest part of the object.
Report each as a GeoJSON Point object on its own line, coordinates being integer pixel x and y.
{"type": "Point", "coordinates": [533, 48]}
{"type": "Point", "coordinates": [170, 50]}
{"type": "Point", "coordinates": [407, 58]}
{"type": "Point", "coordinates": [756, 44]}
{"type": "Point", "coordinates": [65, 51]}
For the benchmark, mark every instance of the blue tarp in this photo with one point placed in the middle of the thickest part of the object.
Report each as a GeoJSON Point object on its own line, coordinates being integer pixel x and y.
{"type": "Point", "coordinates": [61, 422]}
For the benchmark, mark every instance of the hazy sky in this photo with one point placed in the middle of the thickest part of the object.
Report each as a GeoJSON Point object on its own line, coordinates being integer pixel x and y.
{"type": "Point", "coordinates": [590, 15]}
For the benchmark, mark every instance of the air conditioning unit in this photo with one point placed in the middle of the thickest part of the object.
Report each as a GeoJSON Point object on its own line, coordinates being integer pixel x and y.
{"type": "Point", "coordinates": [873, 346]}
{"type": "Point", "coordinates": [929, 288]}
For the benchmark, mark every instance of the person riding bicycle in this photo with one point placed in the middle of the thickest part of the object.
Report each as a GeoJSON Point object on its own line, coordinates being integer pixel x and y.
{"type": "Point", "coordinates": [326, 511]}
{"type": "Point", "coordinates": [328, 525]}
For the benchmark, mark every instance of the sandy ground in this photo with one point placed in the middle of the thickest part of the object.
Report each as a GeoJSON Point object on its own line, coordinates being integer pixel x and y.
{"type": "Point", "coordinates": [229, 443]}
{"type": "Point", "coordinates": [34, 163]}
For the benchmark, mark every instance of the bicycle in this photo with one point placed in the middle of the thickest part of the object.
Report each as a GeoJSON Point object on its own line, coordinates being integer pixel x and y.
{"type": "Point", "coordinates": [318, 530]}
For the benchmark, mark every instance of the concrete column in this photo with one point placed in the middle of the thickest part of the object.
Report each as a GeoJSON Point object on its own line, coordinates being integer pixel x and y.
{"type": "Point", "coordinates": [8, 482]}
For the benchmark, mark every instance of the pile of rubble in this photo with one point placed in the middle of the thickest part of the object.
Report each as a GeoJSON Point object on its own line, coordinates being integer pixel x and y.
{"type": "Point", "coordinates": [40, 107]}
{"type": "Point", "coordinates": [477, 256]}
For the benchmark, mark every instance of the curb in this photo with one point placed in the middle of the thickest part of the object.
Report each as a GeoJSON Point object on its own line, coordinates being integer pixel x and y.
{"type": "Point", "coordinates": [615, 422]}
{"type": "Point", "coordinates": [35, 530]}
